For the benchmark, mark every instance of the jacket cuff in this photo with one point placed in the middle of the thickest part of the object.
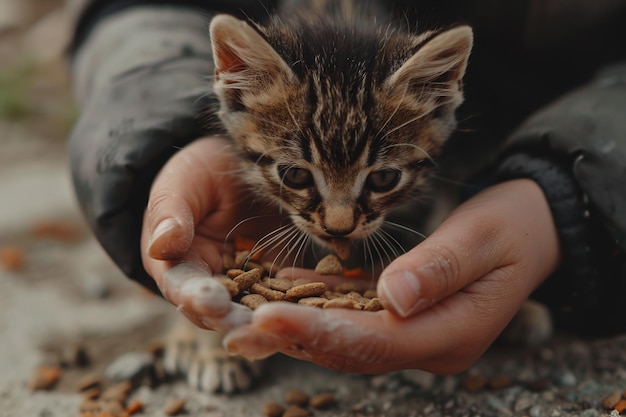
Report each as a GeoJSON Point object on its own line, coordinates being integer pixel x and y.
{"type": "Point", "coordinates": [577, 292]}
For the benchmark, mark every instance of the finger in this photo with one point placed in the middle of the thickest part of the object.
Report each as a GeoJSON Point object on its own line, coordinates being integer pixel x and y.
{"type": "Point", "coordinates": [176, 203]}
{"type": "Point", "coordinates": [480, 236]}
{"type": "Point", "coordinates": [202, 299]}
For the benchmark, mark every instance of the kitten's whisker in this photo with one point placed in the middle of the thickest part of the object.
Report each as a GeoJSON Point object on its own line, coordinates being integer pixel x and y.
{"type": "Point", "coordinates": [296, 234]}
{"type": "Point", "coordinates": [405, 228]}
{"type": "Point", "coordinates": [419, 148]}
{"type": "Point", "coordinates": [408, 122]}
{"type": "Point", "coordinates": [243, 222]}
{"type": "Point", "coordinates": [383, 246]}
{"type": "Point", "coordinates": [269, 239]}
{"type": "Point", "coordinates": [304, 238]}
{"type": "Point", "coordinates": [393, 242]}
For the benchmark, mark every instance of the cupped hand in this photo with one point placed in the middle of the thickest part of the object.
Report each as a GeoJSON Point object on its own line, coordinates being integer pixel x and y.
{"type": "Point", "coordinates": [446, 300]}
{"type": "Point", "coordinates": [196, 205]}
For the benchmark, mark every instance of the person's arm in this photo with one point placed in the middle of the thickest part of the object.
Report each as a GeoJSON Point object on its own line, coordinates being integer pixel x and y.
{"type": "Point", "coordinates": [140, 73]}
{"type": "Point", "coordinates": [575, 149]}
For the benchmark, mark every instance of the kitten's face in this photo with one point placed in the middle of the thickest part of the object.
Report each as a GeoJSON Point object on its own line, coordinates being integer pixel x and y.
{"type": "Point", "coordinates": [337, 145]}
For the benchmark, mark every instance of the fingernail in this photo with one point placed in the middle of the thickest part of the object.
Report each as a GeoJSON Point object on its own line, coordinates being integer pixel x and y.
{"type": "Point", "coordinates": [402, 290]}
{"type": "Point", "coordinates": [206, 296]}
{"type": "Point", "coordinates": [166, 226]}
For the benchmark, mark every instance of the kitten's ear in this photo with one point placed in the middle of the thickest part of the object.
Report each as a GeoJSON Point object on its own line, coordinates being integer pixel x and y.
{"type": "Point", "coordinates": [244, 61]}
{"type": "Point", "coordinates": [438, 67]}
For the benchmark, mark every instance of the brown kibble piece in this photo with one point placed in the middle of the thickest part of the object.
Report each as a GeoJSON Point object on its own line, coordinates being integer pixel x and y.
{"type": "Point", "coordinates": [277, 284]}
{"type": "Point", "coordinates": [370, 294]}
{"type": "Point", "coordinates": [267, 293]}
{"type": "Point", "coordinates": [322, 401]}
{"type": "Point", "coordinates": [620, 407]}
{"type": "Point", "coordinates": [611, 400]}
{"type": "Point", "coordinates": [89, 406]}
{"type": "Point", "coordinates": [174, 406]}
{"type": "Point", "coordinates": [346, 287]}
{"type": "Point", "coordinates": [92, 393]}
{"type": "Point", "coordinates": [329, 265]}
{"type": "Point", "coordinates": [474, 383]}
{"type": "Point", "coordinates": [313, 301]}
{"type": "Point", "coordinates": [88, 381]}
{"type": "Point", "coordinates": [331, 295]}
{"type": "Point", "coordinates": [374, 305]}
{"type": "Point", "coordinates": [231, 286]}
{"type": "Point", "coordinates": [253, 301]}
{"type": "Point", "coordinates": [313, 289]}
{"type": "Point", "coordinates": [114, 408]}
{"type": "Point", "coordinates": [234, 273]}
{"type": "Point", "coordinates": [297, 397]}
{"type": "Point", "coordinates": [245, 280]}
{"type": "Point", "coordinates": [134, 407]}
{"type": "Point", "coordinates": [341, 247]}
{"type": "Point", "coordinates": [45, 377]}
{"type": "Point", "coordinates": [12, 258]}
{"type": "Point", "coordinates": [273, 410]}
{"type": "Point", "coordinates": [118, 392]}
{"type": "Point", "coordinates": [296, 411]}
{"type": "Point", "coordinates": [340, 303]}
{"type": "Point", "coordinates": [60, 230]}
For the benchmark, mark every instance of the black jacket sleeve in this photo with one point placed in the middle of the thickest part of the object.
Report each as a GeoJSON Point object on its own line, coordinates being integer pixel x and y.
{"type": "Point", "coordinates": [575, 149]}
{"type": "Point", "coordinates": [134, 119]}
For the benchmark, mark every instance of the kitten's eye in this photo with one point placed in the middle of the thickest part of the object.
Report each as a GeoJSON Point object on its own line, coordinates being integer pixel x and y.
{"type": "Point", "coordinates": [298, 178]}
{"type": "Point", "coordinates": [382, 181]}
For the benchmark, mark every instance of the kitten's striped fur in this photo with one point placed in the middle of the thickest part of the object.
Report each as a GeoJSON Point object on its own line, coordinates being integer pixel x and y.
{"type": "Point", "coordinates": [338, 114]}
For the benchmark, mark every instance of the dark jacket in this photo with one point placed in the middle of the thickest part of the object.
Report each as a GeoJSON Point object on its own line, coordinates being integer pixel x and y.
{"type": "Point", "coordinates": [545, 99]}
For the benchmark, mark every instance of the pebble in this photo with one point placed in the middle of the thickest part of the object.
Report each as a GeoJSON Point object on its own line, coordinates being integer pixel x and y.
{"type": "Point", "coordinates": [499, 382]}
{"type": "Point", "coordinates": [565, 379]}
{"type": "Point", "coordinates": [422, 379]}
{"type": "Point", "coordinates": [536, 411]}
{"type": "Point", "coordinates": [474, 383]}
{"type": "Point", "coordinates": [130, 366]}
{"type": "Point", "coordinates": [88, 382]}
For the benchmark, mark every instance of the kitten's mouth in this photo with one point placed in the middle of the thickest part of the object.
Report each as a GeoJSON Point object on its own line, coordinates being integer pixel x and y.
{"type": "Point", "coordinates": [339, 245]}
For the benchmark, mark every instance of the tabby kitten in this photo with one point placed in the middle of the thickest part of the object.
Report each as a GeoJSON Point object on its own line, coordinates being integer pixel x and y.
{"type": "Point", "coordinates": [338, 119]}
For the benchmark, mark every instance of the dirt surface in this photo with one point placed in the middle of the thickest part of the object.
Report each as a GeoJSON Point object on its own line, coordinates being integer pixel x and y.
{"type": "Point", "coordinates": [59, 293]}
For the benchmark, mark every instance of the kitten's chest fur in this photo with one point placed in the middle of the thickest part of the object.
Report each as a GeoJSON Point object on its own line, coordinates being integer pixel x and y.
{"type": "Point", "coordinates": [339, 116]}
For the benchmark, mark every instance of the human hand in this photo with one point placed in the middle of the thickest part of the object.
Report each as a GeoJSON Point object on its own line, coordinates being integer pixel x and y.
{"type": "Point", "coordinates": [446, 300]}
{"type": "Point", "coordinates": [196, 204]}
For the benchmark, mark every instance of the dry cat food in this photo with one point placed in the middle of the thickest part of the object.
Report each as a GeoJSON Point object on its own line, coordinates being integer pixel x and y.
{"type": "Point", "coordinates": [298, 403]}
{"type": "Point", "coordinates": [253, 288]}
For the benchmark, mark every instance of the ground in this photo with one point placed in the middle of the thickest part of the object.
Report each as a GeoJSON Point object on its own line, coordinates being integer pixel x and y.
{"type": "Point", "coordinates": [59, 292]}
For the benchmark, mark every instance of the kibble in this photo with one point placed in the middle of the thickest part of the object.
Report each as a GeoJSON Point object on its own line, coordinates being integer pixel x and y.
{"type": "Point", "coordinates": [45, 377]}
{"type": "Point", "coordinates": [273, 410]}
{"type": "Point", "coordinates": [174, 406]}
{"type": "Point", "coordinates": [611, 400]}
{"type": "Point", "coordinates": [249, 284]}
{"type": "Point", "coordinates": [253, 301]}
{"type": "Point", "coordinates": [296, 411]}
{"type": "Point", "coordinates": [329, 265]}
{"type": "Point", "coordinates": [322, 401]}
{"type": "Point", "coordinates": [313, 289]}
{"type": "Point", "coordinates": [297, 397]}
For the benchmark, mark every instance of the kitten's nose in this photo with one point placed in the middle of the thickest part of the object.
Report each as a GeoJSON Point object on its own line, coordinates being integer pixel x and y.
{"type": "Point", "coordinates": [338, 233]}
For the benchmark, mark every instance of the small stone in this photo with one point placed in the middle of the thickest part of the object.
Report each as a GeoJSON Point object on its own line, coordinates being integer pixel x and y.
{"type": "Point", "coordinates": [536, 411]}
{"type": "Point", "coordinates": [329, 265]}
{"type": "Point", "coordinates": [611, 400]}
{"type": "Point", "coordinates": [115, 408]}
{"type": "Point", "coordinates": [296, 411]}
{"type": "Point", "coordinates": [620, 407]}
{"type": "Point", "coordinates": [539, 385]}
{"type": "Point", "coordinates": [75, 355]}
{"type": "Point", "coordinates": [297, 397]}
{"type": "Point", "coordinates": [273, 410]}
{"type": "Point", "coordinates": [323, 401]}
{"type": "Point", "coordinates": [523, 403]}
{"type": "Point", "coordinates": [566, 379]}
{"type": "Point", "coordinates": [89, 406]}
{"type": "Point", "coordinates": [130, 366]}
{"type": "Point", "coordinates": [174, 406]}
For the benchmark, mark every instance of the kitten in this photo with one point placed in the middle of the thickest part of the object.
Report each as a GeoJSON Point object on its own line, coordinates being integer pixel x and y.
{"type": "Point", "coordinates": [338, 120]}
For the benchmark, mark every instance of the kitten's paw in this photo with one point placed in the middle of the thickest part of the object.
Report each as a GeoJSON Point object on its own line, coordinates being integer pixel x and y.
{"type": "Point", "coordinates": [197, 355]}
{"type": "Point", "coordinates": [531, 326]}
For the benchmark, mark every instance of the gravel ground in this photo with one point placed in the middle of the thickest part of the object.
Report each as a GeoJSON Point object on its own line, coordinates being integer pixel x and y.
{"type": "Point", "coordinates": [62, 301]}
